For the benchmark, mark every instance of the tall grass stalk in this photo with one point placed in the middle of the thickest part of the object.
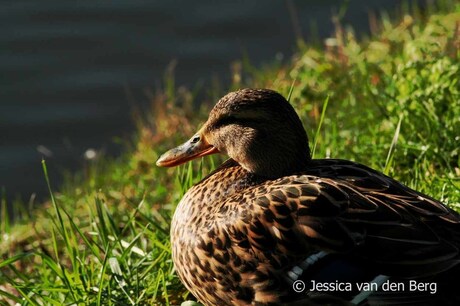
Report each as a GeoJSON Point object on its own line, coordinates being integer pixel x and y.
{"type": "Point", "coordinates": [320, 124]}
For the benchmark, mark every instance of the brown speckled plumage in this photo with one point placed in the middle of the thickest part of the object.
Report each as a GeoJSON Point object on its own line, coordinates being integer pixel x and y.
{"type": "Point", "coordinates": [238, 233]}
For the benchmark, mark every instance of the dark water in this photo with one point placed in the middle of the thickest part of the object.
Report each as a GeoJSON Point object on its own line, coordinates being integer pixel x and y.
{"type": "Point", "coordinates": [66, 66]}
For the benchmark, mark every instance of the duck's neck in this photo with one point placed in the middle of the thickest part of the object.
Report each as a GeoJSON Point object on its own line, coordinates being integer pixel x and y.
{"type": "Point", "coordinates": [276, 166]}
{"type": "Point", "coordinates": [276, 156]}
{"type": "Point", "coordinates": [230, 173]}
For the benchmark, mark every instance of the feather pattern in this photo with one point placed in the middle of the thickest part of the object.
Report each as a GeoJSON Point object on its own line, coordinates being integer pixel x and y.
{"type": "Point", "coordinates": [248, 238]}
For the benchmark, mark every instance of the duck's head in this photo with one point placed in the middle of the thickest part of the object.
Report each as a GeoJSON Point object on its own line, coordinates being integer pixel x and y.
{"type": "Point", "coordinates": [257, 128]}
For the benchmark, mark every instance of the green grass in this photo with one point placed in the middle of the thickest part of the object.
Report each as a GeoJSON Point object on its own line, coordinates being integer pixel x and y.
{"type": "Point", "coordinates": [391, 102]}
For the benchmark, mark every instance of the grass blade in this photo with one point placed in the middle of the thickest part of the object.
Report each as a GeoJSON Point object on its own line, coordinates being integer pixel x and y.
{"type": "Point", "coordinates": [321, 119]}
{"type": "Point", "coordinates": [389, 160]}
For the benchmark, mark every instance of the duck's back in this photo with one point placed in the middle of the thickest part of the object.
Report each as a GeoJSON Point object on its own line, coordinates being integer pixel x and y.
{"type": "Point", "coordinates": [238, 239]}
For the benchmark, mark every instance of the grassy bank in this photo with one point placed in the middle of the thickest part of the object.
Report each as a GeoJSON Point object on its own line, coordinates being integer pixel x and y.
{"type": "Point", "coordinates": [394, 105]}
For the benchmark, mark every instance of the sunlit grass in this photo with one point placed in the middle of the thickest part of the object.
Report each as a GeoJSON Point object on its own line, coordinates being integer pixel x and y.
{"type": "Point", "coordinates": [391, 102]}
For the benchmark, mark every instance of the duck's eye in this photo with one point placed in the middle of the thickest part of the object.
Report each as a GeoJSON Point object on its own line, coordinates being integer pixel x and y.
{"type": "Point", "coordinates": [195, 139]}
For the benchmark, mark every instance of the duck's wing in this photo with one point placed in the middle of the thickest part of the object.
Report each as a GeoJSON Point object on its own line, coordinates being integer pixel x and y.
{"type": "Point", "coordinates": [346, 208]}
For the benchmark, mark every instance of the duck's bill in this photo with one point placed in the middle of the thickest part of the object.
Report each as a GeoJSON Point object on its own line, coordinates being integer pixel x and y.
{"type": "Point", "coordinates": [195, 147]}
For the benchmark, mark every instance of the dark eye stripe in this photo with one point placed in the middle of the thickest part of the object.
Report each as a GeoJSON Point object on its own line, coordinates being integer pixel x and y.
{"type": "Point", "coordinates": [241, 121]}
{"type": "Point", "coordinates": [225, 121]}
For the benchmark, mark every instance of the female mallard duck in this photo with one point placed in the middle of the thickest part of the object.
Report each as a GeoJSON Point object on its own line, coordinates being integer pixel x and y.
{"type": "Point", "coordinates": [270, 217]}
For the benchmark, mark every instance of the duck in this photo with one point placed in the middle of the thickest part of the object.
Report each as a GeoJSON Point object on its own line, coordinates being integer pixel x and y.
{"type": "Point", "coordinates": [272, 226]}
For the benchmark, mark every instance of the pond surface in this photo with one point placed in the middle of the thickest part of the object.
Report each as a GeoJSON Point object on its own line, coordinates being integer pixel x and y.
{"type": "Point", "coordinates": [72, 71]}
